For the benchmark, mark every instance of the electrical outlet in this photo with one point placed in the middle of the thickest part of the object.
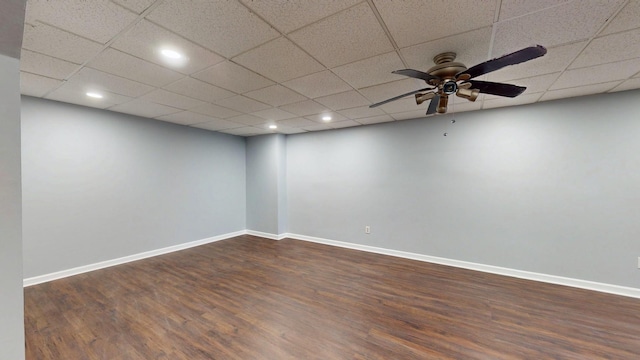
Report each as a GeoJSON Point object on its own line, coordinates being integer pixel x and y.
{"type": "Point", "coordinates": [367, 229]}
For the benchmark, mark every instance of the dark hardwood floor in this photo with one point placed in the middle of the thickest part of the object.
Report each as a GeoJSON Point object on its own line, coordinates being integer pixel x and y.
{"type": "Point", "coordinates": [252, 298]}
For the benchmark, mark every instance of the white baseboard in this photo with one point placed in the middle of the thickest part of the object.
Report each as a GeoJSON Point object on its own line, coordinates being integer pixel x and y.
{"type": "Point", "coordinates": [266, 235]}
{"type": "Point", "coordinates": [559, 280]}
{"type": "Point", "coordinates": [104, 264]}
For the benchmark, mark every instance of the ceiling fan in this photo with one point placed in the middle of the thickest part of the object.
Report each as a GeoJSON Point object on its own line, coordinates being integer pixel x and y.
{"type": "Point", "coordinates": [447, 78]}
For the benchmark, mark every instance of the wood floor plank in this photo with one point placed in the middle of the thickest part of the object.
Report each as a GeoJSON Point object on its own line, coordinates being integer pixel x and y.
{"type": "Point", "coordinates": [253, 298]}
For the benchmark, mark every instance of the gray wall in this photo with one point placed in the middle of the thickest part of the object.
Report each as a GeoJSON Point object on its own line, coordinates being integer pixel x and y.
{"type": "Point", "coordinates": [11, 298]}
{"type": "Point", "coordinates": [266, 192]}
{"type": "Point", "coordinates": [551, 188]}
{"type": "Point", "coordinates": [99, 185]}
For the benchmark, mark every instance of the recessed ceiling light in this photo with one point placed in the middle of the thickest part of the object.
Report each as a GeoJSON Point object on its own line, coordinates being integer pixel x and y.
{"type": "Point", "coordinates": [95, 95]}
{"type": "Point", "coordinates": [273, 126]}
{"type": "Point", "coordinates": [326, 118]}
{"type": "Point", "coordinates": [171, 54]}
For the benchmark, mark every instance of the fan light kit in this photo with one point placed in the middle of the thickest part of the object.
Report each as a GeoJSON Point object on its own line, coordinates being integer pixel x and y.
{"type": "Point", "coordinates": [448, 77]}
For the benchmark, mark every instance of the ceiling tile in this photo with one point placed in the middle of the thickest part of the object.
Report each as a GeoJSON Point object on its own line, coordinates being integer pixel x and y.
{"type": "Point", "coordinates": [579, 91]}
{"type": "Point", "coordinates": [630, 84]}
{"type": "Point", "coordinates": [71, 94]}
{"type": "Point", "coordinates": [218, 124]}
{"type": "Point", "coordinates": [246, 131]}
{"type": "Point", "coordinates": [44, 65]}
{"type": "Point", "coordinates": [92, 80]}
{"type": "Point", "coordinates": [233, 77]}
{"type": "Point", "coordinates": [145, 40]}
{"type": "Point", "coordinates": [409, 115]}
{"type": "Point", "coordinates": [344, 124]}
{"type": "Point", "coordinates": [470, 48]}
{"type": "Point", "coordinates": [318, 84]}
{"type": "Point", "coordinates": [382, 92]}
{"type": "Point", "coordinates": [242, 104]}
{"type": "Point", "coordinates": [556, 59]}
{"type": "Point", "coordinates": [626, 19]}
{"type": "Point", "coordinates": [573, 21]}
{"type": "Point", "coordinates": [339, 39]}
{"type": "Point", "coordinates": [290, 15]}
{"type": "Point", "coordinates": [36, 85]}
{"type": "Point", "coordinates": [316, 127]}
{"type": "Point", "coordinates": [290, 131]}
{"type": "Point", "coordinates": [98, 20]}
{"type": "Point", "coordinates": [144, 108]}
{"type": "Point", "coordinates": [372, 71]}
{"type": "Point", "coordinates": [403, 105]}
{"type": "Point", "coordinates": [215, 111]}
{"type": "Point", "coordinates": [276, 95]}
{"type": "Point", "coordinates": [304, 108]}
{"type": "Point", "coordinates": [343, 100]}
{"type": "Point", "coordinates": [334, 117]}
{"type": "Point", "coordinates": [225, 27]}
{"type": "Point", "coordinates": [536, 84]}
{"type": "Point", "coordinates": [191, 118]}
{"type": "Point", "coordinates": [160, 96]}
{"type": "Point", "coordinates": [198, 89]}
{"type": "Point", "coordinates": [610, 48]}
{"type": "Point", "coordinates": [375, 119]}
{"type": "Point", "coordinates": [597, 74]}
{"type": "Point", "coordinates": [274, 114]}
{"type": "Point", "coordinates": [297, 122]}
{"type": "Point", "coordinates": [513, 8]}
{"type": "Point", "coordinates": [279, 60]}
{"type": "Point", "coordinates": [57, 43]}
{"type": "Point", "coordinates": [121, 64]}
{"type": "Point", "coordinates": [496, 101]}
{"type": "Point", "coordinates": [361, 112]}
{"type": "Point", "coordinates": [247, 119]}
{"type": "Point", "coordinates": [138, 6]}
{"type": "Point", "coordinates": [412, 21]}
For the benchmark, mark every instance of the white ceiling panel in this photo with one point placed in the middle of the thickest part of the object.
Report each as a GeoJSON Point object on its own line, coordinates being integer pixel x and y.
{"type": "Point", "coordinates": [345, 100]}
{"type": "Point", "coordinates": [573, 21]}
{"type": "Point", "coordinates": [290, 15]}
{"type": "Point", "coordinates": [125, 65]}
{"type": "Point", "coordinates": [290, 130]}
{"type": "Point", "coordinates": [372, 71]}
{"type": "Point", "coordinates": [36, 85]}
{"type": "Point", "coordinates": [44, 65]}
{"type": "Point", "coordinates": [274, 114]}
{"type": "Point", "coordinates": [54, 42]}
{"type": "Point", "coordinates": [197, 89]}
{"type": "Point", "coordinates": [597, 74]}
{"type": "Point", "coordinates": [579, 91]}
{"type": "Point", "coordinates": [246, 131]}
{"type": "Point", "coordinates": [233, 77]}
{"type": "Point", "coordinates": [375, 119]}
{"type": "Point", "coordinates": [470, 48]}
{"type": "Point", "coordinates": [304, 108]}
{"type": "Point", "coordinates": [242, 104]}
{"type": "Point", "coordinates": [276, 95]}
{"type": "Point", "coordinates": [416, 21]}
{"type": "Point", "coordinates": [339, 39]}
{"type": "Point", "coordinates": [145, 40]}
{"type": "Point", "coordinates": [164, 97]}
{"type": "Point", "coordinates": [611, 48]}
{"type": "Point", "coordinates": [215, 111]}
{"type": "Point", "coordinates": [144, 108]}
{"type": "Point", "coordinates": [305, 58]}
{"type": "Point", "coordinates": [96, 80]}
{"type": "Point", "coordinates": [334, 117]}
{"type": "Point", "coordinates": [343, 124]}
{"type": "Point", "coordinates": [225, 27]}
{"type": "Point", "coordinates": [279, 60]}
{"type": "Point", "coordinates": [98, 20]}
{"type": "Point", "coordinates": [318, 84]}
{"type": "Point", "coordinates": [361, 112]}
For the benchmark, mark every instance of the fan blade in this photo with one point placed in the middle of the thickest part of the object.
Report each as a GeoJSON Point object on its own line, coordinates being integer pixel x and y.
{"type": "Point", "coordinates": [517, 57]}
{"type": "Point", "coordinates": [416, 74]}
{"type": "Point", "coordinates": [398, 97]}
{"type": "Point", "coordinates": [500, 89]}
{"type": "Point", "coordinates": [433, 105]}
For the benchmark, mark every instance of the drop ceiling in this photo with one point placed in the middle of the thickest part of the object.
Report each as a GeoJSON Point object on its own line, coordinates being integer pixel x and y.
{"type": "Point", "coordinates": [255, 63]}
